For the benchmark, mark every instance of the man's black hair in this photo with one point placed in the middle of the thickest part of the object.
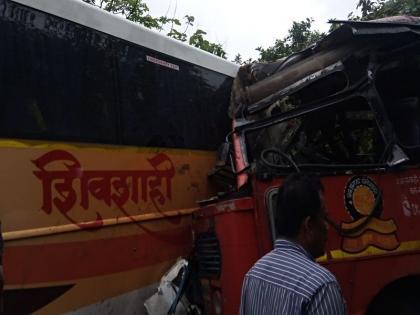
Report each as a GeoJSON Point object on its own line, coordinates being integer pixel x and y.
{"type": "Point", "coordinates": [297, 199]}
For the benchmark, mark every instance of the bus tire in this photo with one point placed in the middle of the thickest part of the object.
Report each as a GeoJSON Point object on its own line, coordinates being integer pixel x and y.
{"type": "Point", "coordinates": [399, 297]}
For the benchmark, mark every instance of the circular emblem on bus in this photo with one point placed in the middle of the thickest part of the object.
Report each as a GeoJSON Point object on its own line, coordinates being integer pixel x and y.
{"type": "Point", "coordinates": [360, 194]}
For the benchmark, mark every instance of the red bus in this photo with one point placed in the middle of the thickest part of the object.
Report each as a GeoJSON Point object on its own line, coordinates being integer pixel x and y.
{"type": "Point", "coordinates": [347, 109]}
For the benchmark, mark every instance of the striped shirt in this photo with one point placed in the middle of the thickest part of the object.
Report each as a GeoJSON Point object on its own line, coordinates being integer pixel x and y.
{"type": "Point", "coordinates": [288, 281]}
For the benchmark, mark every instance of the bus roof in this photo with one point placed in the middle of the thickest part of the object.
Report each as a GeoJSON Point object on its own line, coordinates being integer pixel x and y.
{"type": "Point", "coordinates": [101, 20]}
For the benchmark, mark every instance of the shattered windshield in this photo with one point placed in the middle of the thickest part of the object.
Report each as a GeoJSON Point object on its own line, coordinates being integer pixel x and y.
{"type": "Point", "coordinates": [345, 133]}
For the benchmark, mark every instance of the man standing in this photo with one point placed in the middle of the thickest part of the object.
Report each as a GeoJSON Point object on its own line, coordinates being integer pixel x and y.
{"type": "Point", "coordinates": [288, 280]}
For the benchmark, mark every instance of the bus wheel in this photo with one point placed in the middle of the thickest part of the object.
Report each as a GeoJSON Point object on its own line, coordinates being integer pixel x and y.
{"type": "Point", "coordinates": [399, 297]}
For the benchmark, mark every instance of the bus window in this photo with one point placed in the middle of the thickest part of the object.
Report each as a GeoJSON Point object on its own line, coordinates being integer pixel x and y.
{"type": "Point", "coordinates": [171, 105]}
{"type": "Point", "coordinates": [398, 87]}
{"type": "Point", "coordinates": [66, 82]}
{"type": "Point", "coordinates": [56, 79]}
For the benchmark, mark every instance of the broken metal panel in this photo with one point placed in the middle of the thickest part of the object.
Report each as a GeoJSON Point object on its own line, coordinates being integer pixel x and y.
{"type": "Point", "coordinates": [297, 71]}
{"type": "Point", "coordinates": [162, 302]}
{"type": "Point", "coordinates": [262, 104]}
{"type": "Point", "coordinates": [388, 25]}
{"type": "Point", "coordinates": [263, 79]}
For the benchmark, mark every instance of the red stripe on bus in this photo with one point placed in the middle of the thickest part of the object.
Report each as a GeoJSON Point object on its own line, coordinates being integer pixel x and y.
{"type": "Point", "coordinates": [75, 260]}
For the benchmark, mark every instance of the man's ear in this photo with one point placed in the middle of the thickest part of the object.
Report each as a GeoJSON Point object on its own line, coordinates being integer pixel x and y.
{"type": "Point", "coordinates": [307, 224]}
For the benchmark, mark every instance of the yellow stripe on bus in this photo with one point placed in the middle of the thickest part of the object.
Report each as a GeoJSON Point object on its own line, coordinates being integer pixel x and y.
{"type": "Point", "coordinates": [51, 230]}
{"type": "Point", "coordinates": [372, 251]}
{"type": "Point", "coordinates": [37, 144]}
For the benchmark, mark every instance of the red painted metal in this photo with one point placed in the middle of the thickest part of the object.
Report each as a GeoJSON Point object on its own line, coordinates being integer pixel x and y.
{"type": "Point", "coordinates": [62, 261]}
{"type": "Point", "coordinates": [236, 230]}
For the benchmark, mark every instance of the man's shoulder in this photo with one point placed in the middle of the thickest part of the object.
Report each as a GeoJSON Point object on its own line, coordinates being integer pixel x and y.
{"type": "Point", "coordinates": [291, 271]}
{"type": "Point", "coordinates": [321, 274]}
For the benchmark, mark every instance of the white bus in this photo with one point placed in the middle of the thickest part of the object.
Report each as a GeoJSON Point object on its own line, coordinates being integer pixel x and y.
{"type": "Point", "coordinates": [107, 132]}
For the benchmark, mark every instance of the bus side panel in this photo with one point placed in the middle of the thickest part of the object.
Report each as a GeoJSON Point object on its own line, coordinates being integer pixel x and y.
{"type": "Point", "coordinates": [236, 232]}
{"type": "Point", "coordinates": [84, 225]}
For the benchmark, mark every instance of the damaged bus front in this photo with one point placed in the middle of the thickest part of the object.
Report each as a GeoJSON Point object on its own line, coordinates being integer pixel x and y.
{"type": "Point", "coordinates": [348, 109]}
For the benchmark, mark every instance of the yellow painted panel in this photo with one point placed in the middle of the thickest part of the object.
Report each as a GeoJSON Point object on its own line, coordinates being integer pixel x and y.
{"type": "Point", "coordinates": [53, 185]}
{"type": "Point", "coordinates": [372, 251]}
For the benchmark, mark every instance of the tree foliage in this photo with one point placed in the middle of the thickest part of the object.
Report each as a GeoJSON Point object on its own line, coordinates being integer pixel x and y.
{"type": "Point", "coordinates": [138, 11]}
{"type": "Point", "coordinates": [238, 59]}
{"type": "Point", "coordinates": [300, 36]}
{"type": "Point", "coordinates": [375, 9]}
{"type": "Point", "coordinates": [197, 39]}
